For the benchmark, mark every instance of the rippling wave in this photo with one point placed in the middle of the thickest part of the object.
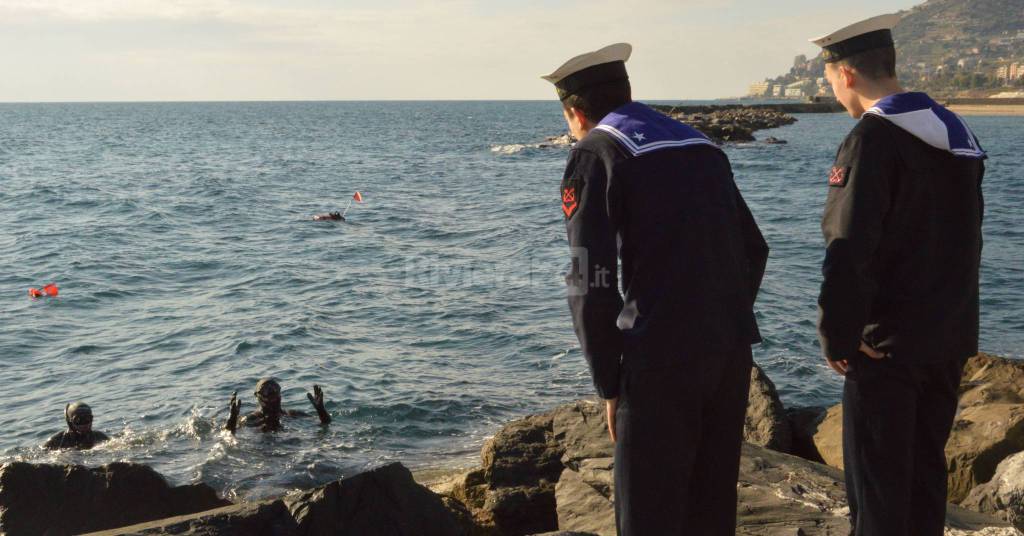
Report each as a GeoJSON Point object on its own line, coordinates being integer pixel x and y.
{"type": "Point", "coordinates": [180, 236]}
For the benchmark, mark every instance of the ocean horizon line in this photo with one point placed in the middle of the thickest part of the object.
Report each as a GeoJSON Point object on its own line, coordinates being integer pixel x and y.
{"type": "Point", "coordinates": [316, 101]}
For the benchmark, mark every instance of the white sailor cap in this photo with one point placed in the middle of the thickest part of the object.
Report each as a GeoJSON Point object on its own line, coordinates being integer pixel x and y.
{"type": "Point", "coordinates": [865, 35]}
{"type": "Point", "coordinates": [600, 66]}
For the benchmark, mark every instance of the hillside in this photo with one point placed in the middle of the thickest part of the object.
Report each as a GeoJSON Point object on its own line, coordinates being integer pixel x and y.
{"type": "Point", "coordinates": [947, 47]}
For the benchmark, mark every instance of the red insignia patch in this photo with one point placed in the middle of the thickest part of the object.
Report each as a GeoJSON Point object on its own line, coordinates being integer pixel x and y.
{"type": "Point", "coordinates": [837, 177]}
{"type": "Point", "coordinates": [569, 202]}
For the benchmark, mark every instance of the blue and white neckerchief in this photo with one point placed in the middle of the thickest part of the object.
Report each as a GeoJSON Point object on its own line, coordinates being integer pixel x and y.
{"type": "Point", "coordinates": [930, 122]}
{"type": "Point", "coordinates": [640, 130]}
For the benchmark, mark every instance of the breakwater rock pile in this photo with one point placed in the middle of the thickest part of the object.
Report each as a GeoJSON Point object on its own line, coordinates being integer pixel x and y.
{"type": "Point", "coordinates": [728, 124]}
{"type": "Point", "coordinates": [552, 472]}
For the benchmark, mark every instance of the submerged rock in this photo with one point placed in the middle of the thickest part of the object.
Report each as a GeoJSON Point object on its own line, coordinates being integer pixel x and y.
{"type": "Point", "coordinates": [72, 499]}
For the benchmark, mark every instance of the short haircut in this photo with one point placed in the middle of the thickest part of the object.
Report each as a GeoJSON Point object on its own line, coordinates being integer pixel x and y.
{"type": "Point", "coordinates": [600, 100]}
{"type": "Point", "coordinates": [876, 64]}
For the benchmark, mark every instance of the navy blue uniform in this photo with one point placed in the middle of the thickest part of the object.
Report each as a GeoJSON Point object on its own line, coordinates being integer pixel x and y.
{"type": "Point", "coordinates": [674, 346]}
{"type": "Point", "coordinates": [902, 226]}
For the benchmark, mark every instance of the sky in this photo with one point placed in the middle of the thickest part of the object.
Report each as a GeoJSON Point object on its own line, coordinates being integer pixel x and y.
{"type": "Point", "coordinates": [188, 50]}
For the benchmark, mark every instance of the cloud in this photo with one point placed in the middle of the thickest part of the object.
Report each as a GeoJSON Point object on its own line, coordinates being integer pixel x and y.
{"type": "Point", "coordinates": [267, 49]}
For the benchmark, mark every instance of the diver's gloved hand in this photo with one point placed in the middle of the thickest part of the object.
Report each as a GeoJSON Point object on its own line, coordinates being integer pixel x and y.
{"type": "Point", "coordinates": [234, 406]}
{"type": "Point", "coordinates": [317, 399]}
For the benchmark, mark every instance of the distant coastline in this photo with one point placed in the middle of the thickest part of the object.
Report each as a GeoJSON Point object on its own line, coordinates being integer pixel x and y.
{"type": "Point", "coordinates": [989, 106]}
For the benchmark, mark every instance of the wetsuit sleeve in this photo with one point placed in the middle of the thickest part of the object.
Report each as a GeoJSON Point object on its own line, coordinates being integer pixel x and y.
{"type": "Point", "coordinates": [592, 282]}
{"type": "Point", "coordinates": [99, 437]}
{"type": "Point", "coordinates": [754, 245]}
{"type": "Point", "coordinates": [858, 201]}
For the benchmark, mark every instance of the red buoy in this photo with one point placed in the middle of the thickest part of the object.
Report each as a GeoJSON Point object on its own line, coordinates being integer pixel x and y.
{"type": "Point", "coordinates": [35, 293]}
{"type": "Point", "coordinates": [51, 290]}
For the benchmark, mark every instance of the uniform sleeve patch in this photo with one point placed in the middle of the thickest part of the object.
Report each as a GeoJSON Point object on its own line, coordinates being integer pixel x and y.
{"type": "Point", "coordinates": [570, 199]}
{"type": "Point", "coordinates": [837, 177]}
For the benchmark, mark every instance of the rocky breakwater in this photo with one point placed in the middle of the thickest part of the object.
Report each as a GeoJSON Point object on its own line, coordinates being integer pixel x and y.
{"type": "Point", "coordinates": [730, 124]}
{"type": "Point", "coordinates": [721, 124]}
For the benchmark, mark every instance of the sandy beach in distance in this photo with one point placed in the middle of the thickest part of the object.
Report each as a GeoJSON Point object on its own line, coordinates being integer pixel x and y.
{"type": "Point", "coordinates": [988, 109]}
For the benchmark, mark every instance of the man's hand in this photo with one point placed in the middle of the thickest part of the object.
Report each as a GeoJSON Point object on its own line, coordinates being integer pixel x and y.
{"type": "Point", "coordinates": [870, 352]}
{"type": "Point", "coordinates": [842, 366]}
{"type": "Point", "coordinates": [610, 405]}
{"type": "Point", "coordinates": [316, 398]}
{"type": "Point", "coordinates": [234, 407]}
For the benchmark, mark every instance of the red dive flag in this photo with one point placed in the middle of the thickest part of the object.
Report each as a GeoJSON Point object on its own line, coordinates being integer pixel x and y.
{"type": "Point", "coordinates": [358, 197]}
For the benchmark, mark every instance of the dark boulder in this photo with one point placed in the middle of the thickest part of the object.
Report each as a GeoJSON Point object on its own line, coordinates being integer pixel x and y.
{"type": "Point", "coordinates": [72, 499]}
{"type": "Point", "coordinates": [385, 501]}
{"type": "Point", "coordinates": [804, 422]}
{"type": "Point", "coordinates": [382, 502]}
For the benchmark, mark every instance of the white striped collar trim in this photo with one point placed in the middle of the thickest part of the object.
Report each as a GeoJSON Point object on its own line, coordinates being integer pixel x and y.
{"type": "Point", "coordinates": [637, 150]}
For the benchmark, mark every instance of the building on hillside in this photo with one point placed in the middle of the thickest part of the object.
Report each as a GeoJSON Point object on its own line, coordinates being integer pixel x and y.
{"type": "Point", "coordinates": [1010, 72]}
{"type": "Point", "coordinates": [760, 89]}
{"type": "Point", "coordinates": [799, 89]}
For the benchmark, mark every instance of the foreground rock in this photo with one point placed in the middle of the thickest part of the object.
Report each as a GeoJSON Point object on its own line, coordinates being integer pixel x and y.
{"type": "Point", "coordinates": [766, 423]}
{"type": "Point", "coordinates": [989, 426]}
{"type": "Point", "coordinates": [1003, 495]}
{"type": "Point", "coordinates": [382, 501]}
{"type": "Point", "coordinates": [779, 493]}
{"type": "Point", "coordinates": [71, 499]}
{"type": "Point", "coordinates": [515, 492]}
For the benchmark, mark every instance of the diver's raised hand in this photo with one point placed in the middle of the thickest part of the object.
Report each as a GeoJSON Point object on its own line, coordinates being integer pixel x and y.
{"type": "Point", "coordinates": [234, 407]}
{"type": "Point", "coordinates": [316, 398]}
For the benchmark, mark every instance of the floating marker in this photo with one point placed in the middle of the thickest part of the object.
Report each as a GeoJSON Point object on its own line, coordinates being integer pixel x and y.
{"type": "Point", "coordinates": [49, 290]}
{"type": "Point", "coordinates": [358, 197]}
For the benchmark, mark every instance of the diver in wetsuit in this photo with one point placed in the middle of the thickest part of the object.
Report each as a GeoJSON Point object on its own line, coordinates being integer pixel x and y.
{"type": "Point", "coordinates": [268, 417]}
{"type": "Point", "coordinates": [79, 434]}
{"type": "Point", "coordinates": [330, 216]}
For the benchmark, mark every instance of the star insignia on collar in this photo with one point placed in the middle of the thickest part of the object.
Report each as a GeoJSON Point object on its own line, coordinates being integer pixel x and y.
{"type": "Point", "coordinates": [639, 136]}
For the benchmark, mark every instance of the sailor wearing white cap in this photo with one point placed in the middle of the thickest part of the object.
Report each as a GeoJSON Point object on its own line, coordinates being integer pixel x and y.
{"type": "Point", "coordinates": [671, 353]}
{"type": "Point", "coordinates": [898, 309]}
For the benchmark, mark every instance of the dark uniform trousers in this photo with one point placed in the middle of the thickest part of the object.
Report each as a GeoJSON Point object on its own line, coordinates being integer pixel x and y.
{"type": "Point", "coordinates": [679, 431]}
{"type": "Point", "coordinates": [896, 420]}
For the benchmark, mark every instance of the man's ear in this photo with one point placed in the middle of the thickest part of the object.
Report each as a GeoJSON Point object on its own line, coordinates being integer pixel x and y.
{"type": "Point", "coordinates": [848, 76]}
{"type": "Point", "coordinates": [578, 115]}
